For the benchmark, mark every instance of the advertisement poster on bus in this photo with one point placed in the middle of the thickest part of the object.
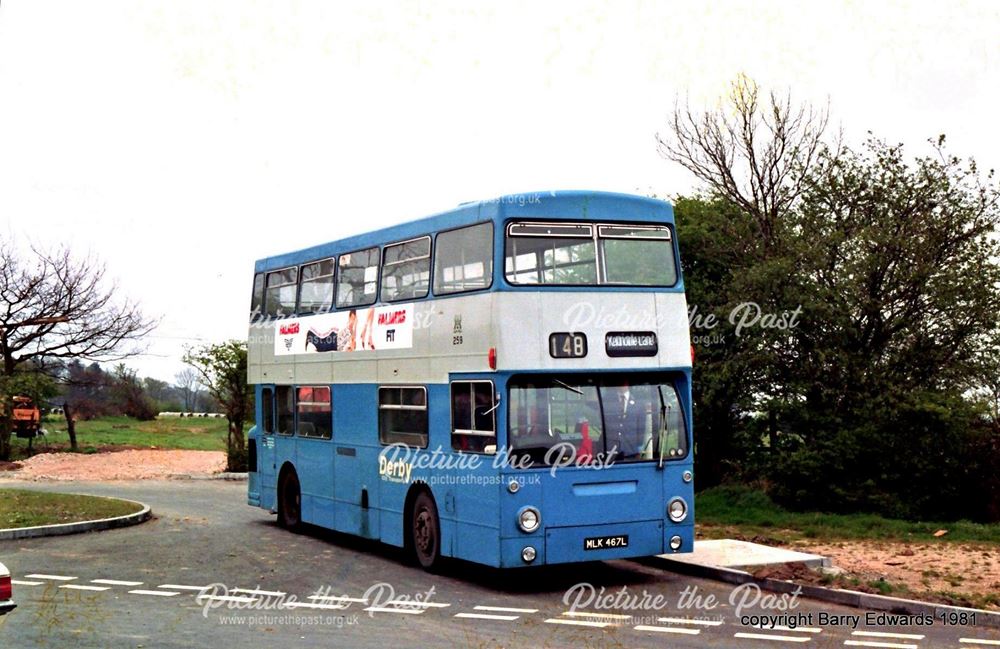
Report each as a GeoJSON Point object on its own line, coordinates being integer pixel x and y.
{"type": "Point", "coordinates": [380, 327]}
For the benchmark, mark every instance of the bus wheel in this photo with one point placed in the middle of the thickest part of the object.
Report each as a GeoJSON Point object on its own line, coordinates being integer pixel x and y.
{"type": "Point", "coordinates": [290, 502]}
{"type": "Point", "coordinates": [425, 531]}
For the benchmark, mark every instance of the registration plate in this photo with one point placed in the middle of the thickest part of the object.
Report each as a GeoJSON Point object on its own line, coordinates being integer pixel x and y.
{"type": "Point", "coordinates": [605, 542]}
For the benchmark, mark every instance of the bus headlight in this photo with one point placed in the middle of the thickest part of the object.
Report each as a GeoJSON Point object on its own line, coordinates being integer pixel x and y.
{"type": "Point", "coordinates": [677, 510]}
{"type": "Point", "coordinates": [675, 543]}
{"type": "Point", "coordinates": [528, 554]}
{"type": "Point", "coordinates": [529, 520]}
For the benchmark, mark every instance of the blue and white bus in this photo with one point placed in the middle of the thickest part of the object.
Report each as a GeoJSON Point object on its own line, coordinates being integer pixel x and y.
{"type": "Point", "coordinates": [507, 383]}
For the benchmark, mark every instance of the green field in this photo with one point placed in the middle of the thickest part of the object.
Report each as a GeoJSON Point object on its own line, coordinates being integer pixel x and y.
{"type": "Point", "coordinates": [23, 508]}
{"type": "Point", "coordinates": [741, 512]}
{"type": "Point", "coordinates": [191, 433]}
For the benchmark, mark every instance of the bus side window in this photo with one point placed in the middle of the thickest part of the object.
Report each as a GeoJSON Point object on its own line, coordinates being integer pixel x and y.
{"type": "Point", "coordinates": [464, 259]}
{"type": "Point", "coordinates": [402, 415]}
{"type": "Point", "coordinates": [357, 279]}
{"type": "Point", "coordinates": [406, 270]}
{"type": "Point", "coordinates": [473, 421]}
{"type": "Point", "coordinates": [316, 287]}
{"type": "Point", "coordinates": [279, 294]}
{"type": "Point", "coordinates": [257, 298]}
{"type": "Point", "coordinates": [267, 410]}
{"type": "Point", "coordinates": [315, 414]}
{"type": "Point", "coordinates": [286, 409]}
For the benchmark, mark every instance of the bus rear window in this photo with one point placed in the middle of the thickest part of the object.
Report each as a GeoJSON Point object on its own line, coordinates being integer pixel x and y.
{"type": "Point", "coordinates": [257, 298]}
{"type": "Point", "coordinates": [589, 254]}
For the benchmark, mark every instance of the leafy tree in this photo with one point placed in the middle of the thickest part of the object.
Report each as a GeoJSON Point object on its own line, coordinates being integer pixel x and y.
{"type": "Point", "coordinates": [893, 265]}
{"type": "Point", "coordinates": [222, 369]}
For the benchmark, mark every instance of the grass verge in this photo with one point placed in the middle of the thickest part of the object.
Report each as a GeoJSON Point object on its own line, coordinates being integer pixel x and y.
{"type": "Point", "coordinates": [736, 511]}
{"type": "Point", "coordinates": [24, 508]}
{"type": "Point", "coordinates": [188, 433]}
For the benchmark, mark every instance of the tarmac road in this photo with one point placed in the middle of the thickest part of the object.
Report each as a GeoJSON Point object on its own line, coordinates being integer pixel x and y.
{"type": "Point", "coordinates": [139, 587]}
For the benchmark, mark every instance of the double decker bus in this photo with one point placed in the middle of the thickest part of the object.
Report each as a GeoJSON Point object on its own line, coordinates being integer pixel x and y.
{"type": "Point", "coordinates": [507, 383]}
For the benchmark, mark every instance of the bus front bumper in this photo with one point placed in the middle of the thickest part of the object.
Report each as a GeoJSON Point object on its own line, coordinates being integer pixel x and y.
{"type": "Point", "coordinates": [596, 543]}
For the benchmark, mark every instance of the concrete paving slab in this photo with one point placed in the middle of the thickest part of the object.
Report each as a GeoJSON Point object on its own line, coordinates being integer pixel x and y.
{"type": "Point", "coordinates": [727, 553]}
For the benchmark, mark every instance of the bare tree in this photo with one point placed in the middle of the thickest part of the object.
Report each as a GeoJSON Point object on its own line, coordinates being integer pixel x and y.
{"type": "Point", "coordinates": [750, 152]}
{"type": "Point", "coordinates": [189, 383]}
{"type": "Point", "coordinates": [55, 307]}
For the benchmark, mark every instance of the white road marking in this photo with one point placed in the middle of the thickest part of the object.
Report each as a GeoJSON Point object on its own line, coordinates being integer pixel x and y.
{"type": "Point", "coordinates": [410, 603]}
{"type": "Point", "coordinates": [338, 598]}
{"type": "Point", "coordinates": [156, 593]}
{"type": "Point", "coordinates": [269, 593]}
{"type": "Point", "coordinates": [51, 577]}
{"type": "Point", "coordinates": [799, 629]}
{"type": "Point", "coordinates": [556, 620]}
{"type": "Point", "coordinates": [228, 598]}
{"type": "Point", "coordinates": [487, 616]}
{"type": "Point", "coordinates": [180, 587]}
{"type": "Point", "coordinates": [685, 620]}
{"type": "Point", "coordinates": [597, 616]}
{"type": "Point", "coordinates": [382, 609]}
{"type": "Point", "coordinates": [991, 643]}
{"type": "Point", "coordinates": [667, 629]}
{"type": "Point", "coordinates": [18, 582]}
{"type": "Point", "coordinates": [776, 638]}
{"type": "Point", "coordinates": [506, 609]}
{"type": "Point", "coordinates": [880, 634]}
{"type": "Point", "coordinates": [115, 582]}
{"type": "Point", "coordinates": [325, 607]}
{"type": "Point", "coordinates": [83, 587]}
{"type": "Point", "coordinates": [886, 645]}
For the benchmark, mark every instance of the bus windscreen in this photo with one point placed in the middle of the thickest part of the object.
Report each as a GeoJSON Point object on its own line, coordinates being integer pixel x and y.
{"type": "Point", "coordinates": [611, 420]}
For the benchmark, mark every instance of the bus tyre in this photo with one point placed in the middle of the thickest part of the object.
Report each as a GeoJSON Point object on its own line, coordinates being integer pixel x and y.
{"type": "Point", "coordinates": [425, 531]}
{"type": "Point", "coordinates": [289, 502]}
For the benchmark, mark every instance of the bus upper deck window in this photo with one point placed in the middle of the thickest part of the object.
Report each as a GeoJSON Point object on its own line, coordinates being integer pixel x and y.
{"type": "Point", "coordinates": [257, 298]}
{"type": "Point", "coordinates": [551, 253]}
{"type": "Point", "coordinates": [279, 294]}
{"type": "Point", "coordinates": [357, 282]}
{"type": "Point", "coordinates": [637, 255]}
{"type": "Point", "coordinates": [316, 287]}
{"type": "Point", "coordinates": [464, 259]}
{"type": "Point", "coordinates": [406, 270]}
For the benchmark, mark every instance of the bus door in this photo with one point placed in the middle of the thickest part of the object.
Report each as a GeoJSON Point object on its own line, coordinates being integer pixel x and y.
{"type": "Point", "coordinates": [265, 448]}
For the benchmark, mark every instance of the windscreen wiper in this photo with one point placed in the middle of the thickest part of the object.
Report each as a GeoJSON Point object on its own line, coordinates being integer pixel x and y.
{"type": "Point", "coordinates": [569, 387]}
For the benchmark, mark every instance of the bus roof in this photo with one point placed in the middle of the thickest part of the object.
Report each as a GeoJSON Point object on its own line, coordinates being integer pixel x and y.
{"type": "Point", "coordinates": [548, 205]}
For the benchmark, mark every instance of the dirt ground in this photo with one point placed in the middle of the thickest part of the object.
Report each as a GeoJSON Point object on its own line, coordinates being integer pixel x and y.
{"type": "Point", "coordinates": [957, 573]}
{"type": "Point", "coordinates": [133, 464]}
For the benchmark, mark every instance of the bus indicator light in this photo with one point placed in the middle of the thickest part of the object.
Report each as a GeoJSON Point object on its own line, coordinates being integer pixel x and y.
{"type": "Point", "coordinates": [492, 357]}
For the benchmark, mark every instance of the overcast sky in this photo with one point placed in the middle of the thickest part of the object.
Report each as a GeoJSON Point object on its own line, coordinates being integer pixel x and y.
{"type": "Point", "coordinates": [180, 141]}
